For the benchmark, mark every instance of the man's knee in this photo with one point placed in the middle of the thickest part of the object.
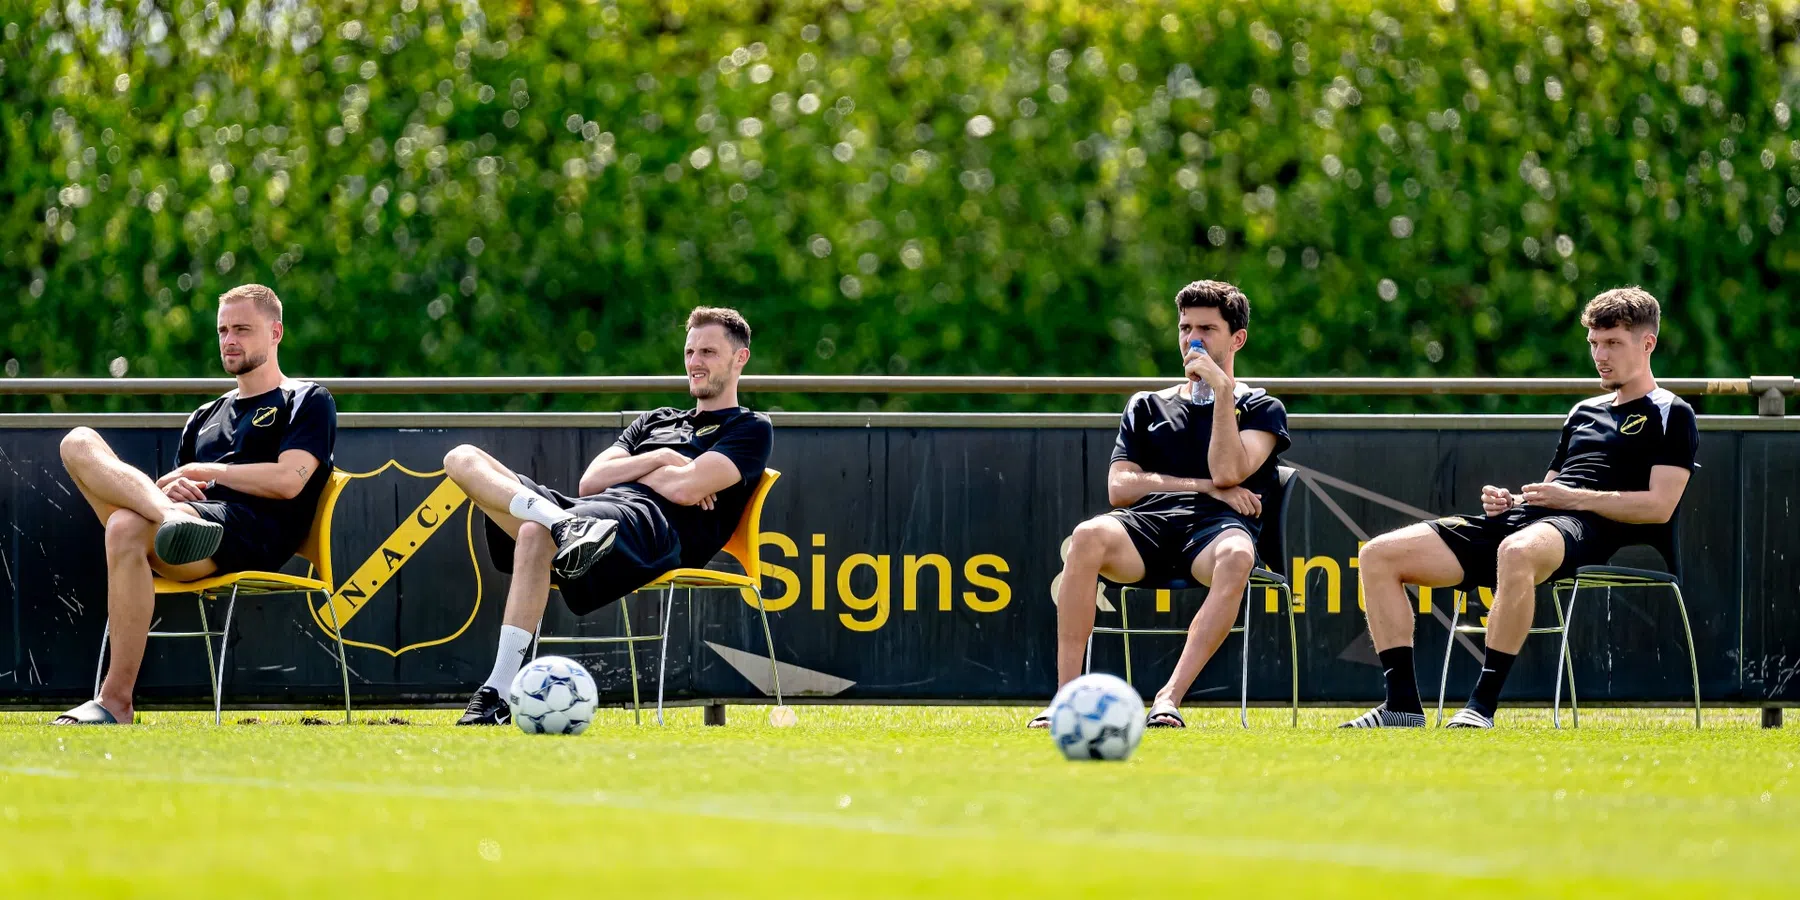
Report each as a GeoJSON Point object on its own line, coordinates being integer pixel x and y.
{"type": "Point", "coordinates": [80, 443]}
{"type": "Point", "coordinates": [1235, 558]}
{"type": "Point", "coordinates": [1523, 553]}
{"type": "Point", "coordinates": [1091, 539]}
{"type": "Point", "coordinates": [462, 459]}
{"type": "Point", "coordinates": [534, 543]}
{"type": "Point", "coordinates": [1382, 553]}
{"type": "Point", "coordinates": [127, 533]}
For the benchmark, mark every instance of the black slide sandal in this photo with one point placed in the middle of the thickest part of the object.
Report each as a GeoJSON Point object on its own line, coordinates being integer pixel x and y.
{"type": "Point", "coordinates": [181, 540]}
{"type": "Point", "coordinates": [89, 713]}
{"type": "Point", "coordinates": [1157, 715]}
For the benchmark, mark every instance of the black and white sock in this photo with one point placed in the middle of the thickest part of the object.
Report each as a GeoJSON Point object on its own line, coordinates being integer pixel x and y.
{"type": "Point", "coordinates": [1402, 683]}
{"type": "Point", "coordinates": [515, 644]}
{"type": "Point", "coordinates": [1494, 669]}
{"type": "Point", "coordinates": [531, 507]}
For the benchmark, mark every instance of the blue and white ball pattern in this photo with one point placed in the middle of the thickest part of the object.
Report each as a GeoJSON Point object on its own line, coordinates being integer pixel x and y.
{"type": "Point", "coordinates": [1097, 716]}
{"type": "Point", "coordinates": [553, 695]}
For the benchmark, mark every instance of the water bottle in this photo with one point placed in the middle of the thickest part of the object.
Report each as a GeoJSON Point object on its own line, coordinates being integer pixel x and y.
{"type": "Point", "coordinates": [1199, 391]}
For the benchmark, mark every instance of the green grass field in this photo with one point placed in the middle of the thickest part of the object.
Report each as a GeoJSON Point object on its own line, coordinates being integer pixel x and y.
{"type": "Point", "coordinates": [897, 802]}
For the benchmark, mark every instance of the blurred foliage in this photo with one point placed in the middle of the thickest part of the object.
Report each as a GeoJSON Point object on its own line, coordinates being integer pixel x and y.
{"type": "Point", "coordinates": [930, 187]}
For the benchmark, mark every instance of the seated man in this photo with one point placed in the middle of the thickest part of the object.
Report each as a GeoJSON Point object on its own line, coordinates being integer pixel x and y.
{"type": "Point", "coordinates": [1188, 478]}
{"type": "Point", "coordinates": [1623, 463]}
{"type": "Point", "coordinates": [668, 494]}
{"type": "Point", "coordinates": [250, 470]}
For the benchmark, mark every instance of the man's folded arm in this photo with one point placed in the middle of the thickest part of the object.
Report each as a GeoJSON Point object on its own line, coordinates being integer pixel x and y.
{"type": "Point", "coordinates": [694, 481]}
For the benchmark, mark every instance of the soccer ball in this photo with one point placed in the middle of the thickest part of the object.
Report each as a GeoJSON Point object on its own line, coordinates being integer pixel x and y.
{"type": "Point", "coordinates": [1097, 717]}
{"type": "Point", "coordinates": [553, 695]}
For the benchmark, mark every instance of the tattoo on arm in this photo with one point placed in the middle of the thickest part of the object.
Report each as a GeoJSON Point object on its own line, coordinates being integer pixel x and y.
{"type": "Point", "coordinates": [302, 470]}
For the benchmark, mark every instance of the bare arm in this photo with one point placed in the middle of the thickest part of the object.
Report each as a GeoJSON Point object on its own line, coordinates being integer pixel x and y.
{"type": "Point", "coordinates": [696, 480]}
{"type": "Point", "coordinates": [283, 479]}
{"type": "Point", "coordinates": [1127, 483]}
{"type": "Point", "coordinates": [1235, 455]}
{"type": "Point", "coordinates": [1652, 507]}
{"type": "Point", "coordinates": [615, 466]}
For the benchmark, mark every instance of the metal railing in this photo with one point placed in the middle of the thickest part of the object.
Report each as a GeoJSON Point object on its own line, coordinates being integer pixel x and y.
{"type": "Point", "coordinates": [1770, 390]}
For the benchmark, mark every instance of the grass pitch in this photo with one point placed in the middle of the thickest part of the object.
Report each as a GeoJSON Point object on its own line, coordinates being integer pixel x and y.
{"type": "Point", "coordinates": [897, 801]}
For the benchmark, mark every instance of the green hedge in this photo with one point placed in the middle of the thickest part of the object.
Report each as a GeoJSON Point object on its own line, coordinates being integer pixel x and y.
{"type": "Point", "coordinates": [935, 187]}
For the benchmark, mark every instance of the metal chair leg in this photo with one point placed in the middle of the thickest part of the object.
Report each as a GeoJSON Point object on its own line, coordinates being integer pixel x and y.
{"type": "Point", "coordinates": [1087, 661]}
{"type": "Point", "coordinates": [1567, 661]}
{"type": "Point", "coordinates": [212, 672]}
{"type": "Point", "coordinates": [343, 664]}
{"type": "Point", "coordinates": [1449, 647]}
{"type": "Point", "coordinates": [224, 648]}
{"type": "Point", "coordinates": [1693, 660]}
{"type": "Point", "coordinates": [1125, 626]}
{"type": "Point", "coordinates": [662, 641]}
{"type": "Point", "coordinates": [637, 707]}
{"type": "Point", "coordinates": [762, 610]}
{"type": "Point", "coordinates": [1556, 697]}
{"type": "Point", "coordinates": [100, 666]}
{"type": "Point", "coordinates": [1293, 656]}
{"type": "Point", "coordinates": [1244, 676]}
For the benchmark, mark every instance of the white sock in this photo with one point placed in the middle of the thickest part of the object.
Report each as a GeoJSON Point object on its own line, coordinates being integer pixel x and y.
{"type": "Point", "coordinates": [515, 643]}
{"type": "Point", "coordinates": [534, 508]}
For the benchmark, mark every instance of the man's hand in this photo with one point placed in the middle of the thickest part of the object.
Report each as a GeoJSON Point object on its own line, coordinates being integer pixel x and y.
{"type": "Point", "coordinates": [708, 501]}
{"type": "Point", "coordinates": [1201, 367]}
{"type": "Point", "coordinates": [1496, 500]}
{"type": "Point", "coordinates": [668, 456]}
{"type": "Point", "coordinates": [183, 490]}
{"type": "Point", "coordinates": [1551, 495]}
{"type": "Point", "coordinates": [189, 482]}
{"type": "Point", "coordinates": [1246, 503]}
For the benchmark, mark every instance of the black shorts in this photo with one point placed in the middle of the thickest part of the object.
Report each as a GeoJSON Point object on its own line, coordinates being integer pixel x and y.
{"type": "Point", "coordinates": [644, 547]}
{"type": "Point", "coordinates": [1588, 540]}
{"type": "Point", "coordinates": [1169, 533]}
{"type": "Point", "coordinates": [252, 542]}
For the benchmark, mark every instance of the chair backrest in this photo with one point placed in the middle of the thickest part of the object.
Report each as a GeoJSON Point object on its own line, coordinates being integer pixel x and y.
{"type": "Point", "coordinates": [317, 547]}
{"type": "Point", "coordinates": [1665, 539]}
{"type": "Point", "coordinates": [746, 541]}
{"type": "Point", "coordinates": [1271, 545]}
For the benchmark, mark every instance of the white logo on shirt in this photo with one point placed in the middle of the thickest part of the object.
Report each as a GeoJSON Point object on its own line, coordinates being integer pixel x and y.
{"type": "Point", "coordinates": [1159, 424]}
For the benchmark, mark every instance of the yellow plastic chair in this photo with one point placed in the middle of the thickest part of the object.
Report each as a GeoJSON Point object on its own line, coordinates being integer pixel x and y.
{"type": "Point", "coordinates": [744, 547]}
{"type": "Point", "coordinates": [316, 550]}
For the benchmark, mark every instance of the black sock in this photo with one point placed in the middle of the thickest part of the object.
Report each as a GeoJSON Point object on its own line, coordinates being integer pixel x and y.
{"type": "Point", "coordinates": [1402, 684]}
{"type": "Point", "coordinates": [1486, 698]}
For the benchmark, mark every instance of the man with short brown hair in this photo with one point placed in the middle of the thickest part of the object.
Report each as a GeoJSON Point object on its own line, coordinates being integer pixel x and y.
{"type": "Point", "coordinates": [251, 467]}
{"type": "Point", "coordinates": [668, 493]}
{"type": "Point", "coordinates": [1622, 465]}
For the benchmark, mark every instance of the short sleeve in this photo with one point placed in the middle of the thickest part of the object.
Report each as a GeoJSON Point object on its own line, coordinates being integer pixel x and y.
{"type": "Point", "coordinates": [312, 425]}
{"type": "Point", "coordinates": [747, 444]}
{"type": "Point", "coordinates": [1129, 446]}
{"type": "Point", "coordinates": [1562, 445]}
{"type": "Point", "coordinates": [1680, 442]}
{"type": "Point", "coordinates": [1267, 414]}
{"type": "Point", "coordinates": [190, 436]}
{"type": "Point", "coordinates": [633, 435]}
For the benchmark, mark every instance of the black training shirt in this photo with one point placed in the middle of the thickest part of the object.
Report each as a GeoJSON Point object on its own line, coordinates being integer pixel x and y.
{"type": "Point", "coordinates": [298, 415]}
{"type": "Point", "coordinates": [1611, 447]}
{"type": "Point", "coordinates": [1164, 433]}
{"type": "Point", "coordinates": [743, 436]}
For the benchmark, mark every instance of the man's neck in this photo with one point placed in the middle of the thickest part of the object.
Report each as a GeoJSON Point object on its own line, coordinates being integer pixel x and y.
{"type": "Point", "coordinates": [260, 380]}
{"type": "Point", "coordinates": [726, 399]}
{"type": "Point", "coordinates": [1636, 388]}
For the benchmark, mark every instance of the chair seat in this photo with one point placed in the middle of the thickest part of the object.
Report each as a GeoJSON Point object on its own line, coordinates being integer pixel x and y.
{"type": "Point", "coordinates": [1600, 575]}
{"type": "Point", "coordinates": [1266, 578]}
{"type": "Point", "coordinates": [702, 578]}
{"type": "Point", "coordinates": [1259, 577]}
{"type": "Point", "coordinates": [245, 582]}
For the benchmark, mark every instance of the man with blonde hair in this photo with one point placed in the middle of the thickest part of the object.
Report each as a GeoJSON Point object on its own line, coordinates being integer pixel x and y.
{"type": "Point", "coordinates": [250, 469]}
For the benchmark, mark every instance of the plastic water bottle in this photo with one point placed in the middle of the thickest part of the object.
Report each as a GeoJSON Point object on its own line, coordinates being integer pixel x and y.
{"type": "Point", "coordinates": [1199, 391]}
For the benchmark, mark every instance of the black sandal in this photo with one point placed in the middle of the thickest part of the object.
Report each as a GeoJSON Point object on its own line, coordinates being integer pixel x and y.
{"type": "Point", "coordinates": [89, 713]}
{"type": "Point", "coordinates": [1158, 716]}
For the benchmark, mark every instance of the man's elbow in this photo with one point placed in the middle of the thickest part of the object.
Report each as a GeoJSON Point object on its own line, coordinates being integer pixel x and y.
{"type": "Point", "coordinates": [290, 488]}
{"type": "Point", "coordinates": [1223, 480]}
{"type": "Point", "coordinates": [682, 494]}
{"type": "Point", "coordinates": [1118, 495]}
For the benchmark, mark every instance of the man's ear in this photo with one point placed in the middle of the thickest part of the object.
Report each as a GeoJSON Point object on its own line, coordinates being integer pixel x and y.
{"type": "Point", "coordinates": [743, 356]}
{"type": "Point", "coordinates": [1239, 338]}
{"type": "Point", "coordinates": [275, 332]}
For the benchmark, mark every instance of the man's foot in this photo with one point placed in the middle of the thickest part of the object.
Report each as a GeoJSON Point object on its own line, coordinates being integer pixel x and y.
{"type": "Point", "coordinates": [1041, 720]}
{"type": "Point", "coordinates": [90, 713]}
{"type": "Point", "coordinates": [1381, 717]}
{"type": "Point", "coordinates": [1468, 718]}
{"type": "Point", "coordinates": [1164, 714]}
{"type": "Point", "coordinates": [487, 707]}
{"type": "Point", "coordinates": [581, 542]}
{"type": "Point", "coordinates": [183, 539]}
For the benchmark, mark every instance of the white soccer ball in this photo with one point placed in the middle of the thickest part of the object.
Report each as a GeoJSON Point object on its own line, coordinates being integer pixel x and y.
{"type": "Point", "coordinates": [553, 695]}
{"type": "Point", "coordinates": [1097, 717]}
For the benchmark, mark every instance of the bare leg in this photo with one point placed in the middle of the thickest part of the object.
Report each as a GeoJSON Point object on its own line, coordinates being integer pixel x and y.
{"type": "Point", "coordinates": [1527, 558]}
{"type": "Point", "coordinates": [1225, 567]}
{"type": "Point", "coordinates": [109, 484]}
{"type": "Point", "coordinates": [1099, 546]}
{"type": "Point", "coordinates": [131, 602]}
{"type": "Point", "coordinates": [489, 483]}
{"type": "Point", "coordinates": [530, 589]}
{"type": "Point", "coordinates": [1412, 555]}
